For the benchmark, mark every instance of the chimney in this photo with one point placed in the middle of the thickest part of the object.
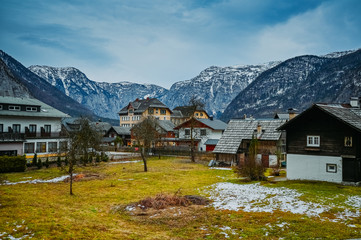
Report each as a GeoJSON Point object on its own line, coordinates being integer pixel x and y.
{"type": "Point", "coordinates": [259, 129]}
{"type": "Point", "coordinates": [292, 113]}
{"type": "Point", "coordinates": [211, 118]}
{"type": "Point", "coordinates": [355, 102]}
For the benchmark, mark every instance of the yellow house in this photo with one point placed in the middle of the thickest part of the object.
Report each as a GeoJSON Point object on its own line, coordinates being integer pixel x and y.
{"type": "Point", "coordinates": [137, 110]}
{"type": "Point", "coordinates": [184, 113]}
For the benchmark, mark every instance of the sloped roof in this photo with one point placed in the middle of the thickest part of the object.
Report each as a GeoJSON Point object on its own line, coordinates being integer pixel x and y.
{"type": "Point", "coordinates": [211, 142]}
{"type": "Point", "coordinates": [214, 124]}
{"type": "Point", "coordinates": [166, 125]}
{"type": "Point", "coordinates": [342, 112]}
{"type": "Point", "coordinates": [142, 105]}
{"type": "Point", "coordinates": [45, 110]}
{"type": "Point", "coordinates": [282, 116]}
{"type": "Point", "coordinates": [101, 126]}
{"type": "Point", "coordinates": [122, 130]}
{"type": "Point", "coordinates": [240, 129]}
{"type": "Point", "coordinates": [186, 111]}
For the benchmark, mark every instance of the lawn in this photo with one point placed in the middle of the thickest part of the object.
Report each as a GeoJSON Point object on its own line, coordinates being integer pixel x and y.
{"type": "Point", "coordinates": [97, 210]}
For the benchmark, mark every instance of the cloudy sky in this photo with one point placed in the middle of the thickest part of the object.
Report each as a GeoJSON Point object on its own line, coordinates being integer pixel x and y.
{"type": "Point", "coordinates": [165, 41]}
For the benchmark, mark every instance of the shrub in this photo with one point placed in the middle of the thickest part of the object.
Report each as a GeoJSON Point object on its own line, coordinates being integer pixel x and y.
{"type": "Point", "coordinates": [12, 164]}
{"type": "Point", "coordinates": [58, 161]}
{"type": "Point", "coordinates": [97, 159]}
{"type": "Point", "coordinates": [66, 161]}
{"type": "Point", "coordinates": [39, 164]}
{"type": "Point", "coordinates": [47, 164]}
{"type": "Point", "coordinates": [35, 160]}
{"type": "Point", "coordinates": [104, 157]}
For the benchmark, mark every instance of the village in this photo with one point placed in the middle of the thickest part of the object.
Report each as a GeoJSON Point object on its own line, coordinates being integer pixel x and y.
{"type": "Point", "coordinates": [187, 161]}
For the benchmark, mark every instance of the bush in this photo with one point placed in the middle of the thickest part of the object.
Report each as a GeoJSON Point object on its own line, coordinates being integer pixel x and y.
{"type": "Point", "coordinates": [39, 164]}
{"type": "Point", "coordinates": [104, 157]}
{"type": "Point", "coordinates": [66, 161]}
{"type": "Point", "coordinates": [97, 158]}
{"type": "Point", "coordinates": [47, 164]}
{"type": "Point", "coordinates": [35, 160]}
{"type": "Point", "coordinates": [12, 164]}
{"type": "Point", "coordinates": [58, 162]}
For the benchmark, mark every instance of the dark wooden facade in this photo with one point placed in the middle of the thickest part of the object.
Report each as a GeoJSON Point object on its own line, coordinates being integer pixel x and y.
{"type": "Point", "coordinates": [332, 132]}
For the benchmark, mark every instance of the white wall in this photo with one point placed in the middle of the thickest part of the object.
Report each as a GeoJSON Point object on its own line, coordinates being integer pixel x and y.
{"type": "Point", "coordinates": [308, 167]}
{"type": "Point", "coordinates": [12, 146]}
{"type": "Point", "coordinates": [26, 121]}
{"type": "Point", "coordinates": [211, 134]}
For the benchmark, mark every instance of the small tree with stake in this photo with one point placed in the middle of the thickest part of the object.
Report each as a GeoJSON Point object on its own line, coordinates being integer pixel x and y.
{"type": "Point", "coordinates": [81, 141]}
{"type": "Point", "coordinates": [145, 134]}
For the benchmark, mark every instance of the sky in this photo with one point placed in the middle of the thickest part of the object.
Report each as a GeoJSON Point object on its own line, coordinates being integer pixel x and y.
{"type": "Point", "coordinates": [165, 41]}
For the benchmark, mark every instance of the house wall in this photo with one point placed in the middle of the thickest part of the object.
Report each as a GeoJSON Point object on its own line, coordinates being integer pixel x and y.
{"type": "Point", "coordinates": [12, 146]}
{"type": "Point", "coordinates": [55, 123]}
{"type": "Point", "coordinates": [131, 119]}
{"type": "Point", "coordinates": [210, 134]}
{"type": "Point", "coordinates": [313, 167]}
{"type": "Point", "coordinates": [332, 135]}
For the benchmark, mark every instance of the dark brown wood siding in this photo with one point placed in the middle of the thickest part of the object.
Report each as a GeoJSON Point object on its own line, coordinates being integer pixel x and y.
{"type": "Point", "coordinates": [332, 134]}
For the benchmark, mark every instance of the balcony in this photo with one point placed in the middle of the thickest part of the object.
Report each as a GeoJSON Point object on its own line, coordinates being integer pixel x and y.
{"type": "Point", "coordinates": [12, 137]}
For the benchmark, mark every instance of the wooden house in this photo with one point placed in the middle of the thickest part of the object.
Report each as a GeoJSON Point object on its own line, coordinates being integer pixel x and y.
{"type": "Point", "coordinates": [324, 143]}
{"type": "Point", "coordinates": [117, 131]}
{"type": "Point", "coordinates": [233, 146]}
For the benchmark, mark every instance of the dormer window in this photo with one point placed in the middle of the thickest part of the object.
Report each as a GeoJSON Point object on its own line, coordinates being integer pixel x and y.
{"type": "Point", "coordinates": [313, 141]}
{"type": "Point", "coordinates": [14, 108]}
{"type": "Point", "coordinates": [31, 109]}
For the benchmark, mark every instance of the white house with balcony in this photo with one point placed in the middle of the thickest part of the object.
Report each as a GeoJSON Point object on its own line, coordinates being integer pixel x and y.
{"type": "Point", "coordinates": [201, 131]}
{"type": "Point", "coordinates": [29, 126]}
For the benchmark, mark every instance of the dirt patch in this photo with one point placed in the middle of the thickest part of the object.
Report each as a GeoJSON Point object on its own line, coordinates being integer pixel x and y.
{"type": "Point", "coordinates": [84, 177]}
{"type": "Point", "coordinates": [165, 206]}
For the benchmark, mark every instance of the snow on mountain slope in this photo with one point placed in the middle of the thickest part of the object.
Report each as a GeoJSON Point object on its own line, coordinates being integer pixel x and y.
{"type": "Point", "coordinates": [215, 86]}
{"type": "Point", "coordinates": [105, 99]}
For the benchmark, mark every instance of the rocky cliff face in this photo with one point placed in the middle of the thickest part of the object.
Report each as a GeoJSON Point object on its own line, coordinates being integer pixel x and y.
{"type": "Point", "coordinates": [105, 99]}
{"type": "Point", "coordinates": [215, 86]}
{"type": "Point", "coordinates": [297, 83]}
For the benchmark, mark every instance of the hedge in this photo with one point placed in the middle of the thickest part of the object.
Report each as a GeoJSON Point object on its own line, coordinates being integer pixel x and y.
{"type": "Point", "coordinates": [12, 164]}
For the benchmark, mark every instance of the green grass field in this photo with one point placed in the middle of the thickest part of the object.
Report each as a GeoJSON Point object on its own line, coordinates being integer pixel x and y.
{"type": "Point", "coordinates": [96, 211]}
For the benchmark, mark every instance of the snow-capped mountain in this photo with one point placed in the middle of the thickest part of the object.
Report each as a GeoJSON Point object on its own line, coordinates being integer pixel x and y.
{"type": "Point", "coordinates": [297, 83]}
{"type": "Point", "coordinates": [215, 86]}
{"type": "Point", "coordinates": [105, 99]}
{"type": "Point", "coordinates": [18, 81]}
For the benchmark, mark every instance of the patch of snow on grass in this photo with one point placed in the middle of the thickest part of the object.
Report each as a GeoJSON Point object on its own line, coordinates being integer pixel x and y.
{"type": "Point", "coordinates": [124, 162]}
{"type": "Point", "coordinates": [35, 181]}
{"type": "Point", "coordinates": [257, 198]}
{"type": "Point", "coordinates": [354, 201]}
{"type": "Point", "coordinates": [220, 168]}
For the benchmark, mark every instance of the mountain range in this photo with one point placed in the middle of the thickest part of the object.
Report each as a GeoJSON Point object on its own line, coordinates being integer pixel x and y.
{"type": "Point", "coordinates": [228, 92]}
{"type": "Point", "coordinates": [299, 82]}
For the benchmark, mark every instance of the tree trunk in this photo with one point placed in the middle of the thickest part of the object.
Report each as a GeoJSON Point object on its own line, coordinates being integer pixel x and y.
{"type": "Point", "coordinates": [144, 159]}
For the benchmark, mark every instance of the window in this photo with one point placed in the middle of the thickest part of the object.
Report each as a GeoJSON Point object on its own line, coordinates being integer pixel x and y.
{"type": "Point", "coordinates": [348, 141]}
{"type": "Point", "coordinates": [203, 132]}
{"type": "Point", "coordinates": [130, 111]}
{"type": "Point", "coordinates": [1, 128]}
{"type": "Point", "coordinates": [313, 141]}
{"type": "Point", "coordinates": [125, 118]}
{"type": "Point", "coordinates": [1, 107]}
{"type": "Point", "coordinates": [16, 128]}
{"type": "Point", "coordinates": [14, 108]}
{"type": "Point", "coordinates": [163, 111]}
{"type": "Point", "coordinates": [41, 147]}
{"type": "Point", "coordinates": [52, 146]}
{"type": "Point", "coordinates": [151, 111]}
{"type": "Point", "coordinates": [125, 125]}
{"type": "Point", "coordinates": [47, 128]}
{"type": "Point", "coordinates": [187, 132]}
{"type": "Point", "coordinates": [201, 114]}
{"type": "Point", "coordinates": [197, 114]}
{"type": "Point", "coordinates": [29, 147]}
{"type": "Point", "coordinates": [332, 168]}
{"type": "Point", "coordinates": [32, 128]}
{"type": "Point", "coordinates": [31, 109]}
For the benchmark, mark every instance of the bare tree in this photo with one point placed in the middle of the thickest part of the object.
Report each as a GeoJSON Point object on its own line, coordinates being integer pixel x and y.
{"type": "Point", "coordinates": [194, 105]}
{"type": "Point", "coordinates": [81, 141]}
{"type": "Point", "coordinates": [250, 168]}
{"type": "Point", "coordinates": [145, 134]}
